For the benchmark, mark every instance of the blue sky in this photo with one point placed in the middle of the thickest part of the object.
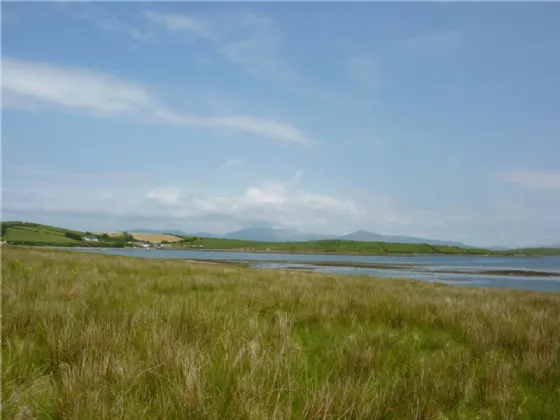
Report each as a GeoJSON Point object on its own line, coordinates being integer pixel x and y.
{"type": "Point", "coordinates": [438, 120]}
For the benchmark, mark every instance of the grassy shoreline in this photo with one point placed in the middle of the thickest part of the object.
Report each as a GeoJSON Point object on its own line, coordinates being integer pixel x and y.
{"type": "Point", "coordinates": [250, 251]}
{"type": "Point", "coordinates": [382, 266]}
{"type": "Point", "coordinates": [89, 336]}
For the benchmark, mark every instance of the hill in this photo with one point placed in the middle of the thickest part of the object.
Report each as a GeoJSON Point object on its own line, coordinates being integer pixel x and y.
{"type": "Point", "coordinates": [264, 234]}
{"type": "Point", "coordinates": [24, 233]}
{"type": "Point", "coordinates": [38, 234]}
{"type": "Point", "coordinates": [330, 246]}
{"type": "Point", "coordinates": [536, 251]}
{"type": "Point", "coordinates": [27, 233]}
{"type": "Point", "coordinates": [363, 235]}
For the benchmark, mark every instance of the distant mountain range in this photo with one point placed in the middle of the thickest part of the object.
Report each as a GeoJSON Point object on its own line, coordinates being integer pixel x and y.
{"type": "Point", "coordinates": [263, 234]}
{"type": "Point", "coordinates": [544, 246]}
{"type": "Point", "coordinates": [158, 231]}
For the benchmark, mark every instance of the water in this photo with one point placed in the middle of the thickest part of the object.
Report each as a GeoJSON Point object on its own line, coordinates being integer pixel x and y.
{"type": "Point", "coordinates": [426, 268]}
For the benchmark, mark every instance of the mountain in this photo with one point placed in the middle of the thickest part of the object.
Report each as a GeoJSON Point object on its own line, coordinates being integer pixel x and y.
{"type": "Point", "coordinates": [363, 235]}
{"type": "Point", "coordinates": [262, 234]}
{"type": "Point", "coordinates": [203, 235]}
{"type": "Point", "coordinates": [539, 246]}
{"type": "Point", "coordinates": [266, 234]}
{"type": "Point", "coordinates": [158, 231]}
{"type": "Point", "coordinates": [497, 248]}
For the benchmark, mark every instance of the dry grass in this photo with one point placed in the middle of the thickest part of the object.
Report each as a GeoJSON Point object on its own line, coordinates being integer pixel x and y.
{"type": "Point", "coordinates": [100, 337]}
{"type": "Point", "coordinates": [152, 237]}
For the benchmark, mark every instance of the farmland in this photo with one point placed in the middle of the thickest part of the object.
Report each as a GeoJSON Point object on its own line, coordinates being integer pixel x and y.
{"type": "Point", "coordinates": [36, 233]}
{"type": "Point", "coordinates": [25, 233]}
{"type": "Point", "coordinates": [155, 238]}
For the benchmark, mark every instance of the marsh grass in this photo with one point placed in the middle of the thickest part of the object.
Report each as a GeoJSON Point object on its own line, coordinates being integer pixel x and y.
{"type": "Point", "coordinates": [101, 337]}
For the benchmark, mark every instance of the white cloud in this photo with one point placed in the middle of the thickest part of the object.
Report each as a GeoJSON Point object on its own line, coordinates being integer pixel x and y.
{"type": "Point", "coordinates": [178, 22]}
{"type": "Point", "coordinates": [272, 193]}
{"type": "Point", "coordinates": [168, 195]}
{"type": "Point", "coordinates": [365, 71]}
{"type": "Point", "coordinates": [104, 95]}
{"type": "Point", "coordinates": [533, 178]}
{"type": "Point", "coordinates": [271, 203]}
{"type": "Point", "coordinates": [505, 220]}
{"type": "Point", "coordinates": [105, 22]}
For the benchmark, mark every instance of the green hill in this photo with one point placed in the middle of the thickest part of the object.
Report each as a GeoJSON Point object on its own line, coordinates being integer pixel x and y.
{"type": "Point", "coordinates": [34, 233]}
{"type": "Point", "coordinates": [24, 233]}
{"type": "Point", "coordinates": [330, 246]}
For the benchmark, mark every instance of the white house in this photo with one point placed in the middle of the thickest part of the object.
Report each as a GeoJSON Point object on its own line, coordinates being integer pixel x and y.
{"type": "Point", "coordinates": [142, 244]}
{"type": "Point", "coordinates": [91, 239]}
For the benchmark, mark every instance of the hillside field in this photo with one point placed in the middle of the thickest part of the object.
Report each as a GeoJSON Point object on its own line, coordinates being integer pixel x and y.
{"type": "Point", "coordinates": [335, 246]}
{"type": "Point", "coordinates": [36, 233]}
{"type": "Point", "coordinates": [154, 238]}
{"type": "Point", "coordinates": [97, 336]}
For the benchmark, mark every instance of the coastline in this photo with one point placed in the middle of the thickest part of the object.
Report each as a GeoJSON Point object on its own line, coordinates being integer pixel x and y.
{"type": "Point", "coordinates": [260, 251]}
{"type": "Point", "coordinates": [379, 266]}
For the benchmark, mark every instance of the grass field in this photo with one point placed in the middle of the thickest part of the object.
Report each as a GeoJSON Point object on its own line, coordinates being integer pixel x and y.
{"type": "Point", "coordinates": [105, 337]}
{"type": "Point", "coordinates": [155, 237]}
{"type": "Point", "coordinates": [337, 246]}
{"type": "Point", "coordinates": [31, 232]}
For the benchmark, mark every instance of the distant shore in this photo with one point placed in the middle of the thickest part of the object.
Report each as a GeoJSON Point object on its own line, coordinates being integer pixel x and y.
{"type": "Point", "coordinates": [261, 251]}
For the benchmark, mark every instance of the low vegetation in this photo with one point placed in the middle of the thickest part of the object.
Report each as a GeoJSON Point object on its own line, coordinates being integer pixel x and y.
{"type": "Point", "coordinates": [105, 337]}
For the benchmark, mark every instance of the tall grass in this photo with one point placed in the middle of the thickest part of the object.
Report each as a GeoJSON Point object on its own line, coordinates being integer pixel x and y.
{"type": "Point", "coordinates": [101, 337]}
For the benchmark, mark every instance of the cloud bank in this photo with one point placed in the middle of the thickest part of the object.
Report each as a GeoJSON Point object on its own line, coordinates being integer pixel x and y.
{"type": "Point", "coordinates": [36, 84]}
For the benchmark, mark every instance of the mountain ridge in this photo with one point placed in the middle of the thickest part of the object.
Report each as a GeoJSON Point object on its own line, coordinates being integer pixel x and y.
{"type": "Point", "coordinates": [266, 234]}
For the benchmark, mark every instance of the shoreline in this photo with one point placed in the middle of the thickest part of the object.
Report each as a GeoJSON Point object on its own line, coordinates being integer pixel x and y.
{"type": "Point", "coordinates": [385, 266]}
{"type": "Point", "coordinates": [248, 251]}
{"type": "Point", "coordinates": [313, 266]}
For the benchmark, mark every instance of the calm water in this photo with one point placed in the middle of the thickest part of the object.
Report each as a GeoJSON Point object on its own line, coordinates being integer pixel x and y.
{"type": "Point", "coordinates": [419, 267]}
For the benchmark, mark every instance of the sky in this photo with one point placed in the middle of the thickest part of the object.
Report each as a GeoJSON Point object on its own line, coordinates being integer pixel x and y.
{"type": "Point", "coordinates": [438, 120]}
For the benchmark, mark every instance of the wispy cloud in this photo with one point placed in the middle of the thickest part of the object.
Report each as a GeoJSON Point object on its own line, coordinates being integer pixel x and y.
{"type": "Point", "coordinates": [250, 41]}
{"type": "Point", "coordinates": [365, 71]}
{"type": "Point", "coordinates": [178, 22]}
{"type": "Point", "coordinates": [546, 180]}
{"type": "Point", "coordinates": [60, 175]}
{"type": "Point", "coordinates": [232, 163]}
{"type": "Point", "coordinates": [297, 177]}
{"type": "Point", "coordinates": [430, 43]}
{"type": "Point", "coordinates": [106, 96]}
{"type": "Point", "coordinates": [98, 16]}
